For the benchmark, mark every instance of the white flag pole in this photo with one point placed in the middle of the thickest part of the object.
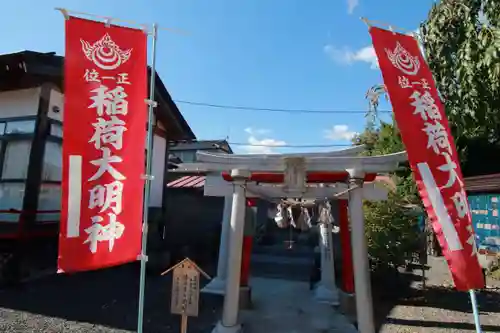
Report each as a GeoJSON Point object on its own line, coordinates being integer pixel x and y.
{"type": "Point", "coordinates": [475, 311]}
{"type": "Point", "coordinates": [148, 178]}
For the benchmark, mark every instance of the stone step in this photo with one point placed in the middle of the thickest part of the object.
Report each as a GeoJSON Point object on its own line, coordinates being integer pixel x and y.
{"type": "Point", "coordinates": [281, 260]}
{"type": "Point", "coordinates": [289, 268]}
{"type": "Point", "coordinates": [282, 250]}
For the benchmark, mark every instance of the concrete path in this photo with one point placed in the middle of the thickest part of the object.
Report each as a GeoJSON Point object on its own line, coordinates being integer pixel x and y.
{"type": "Point", "coordinates": [284, 306]}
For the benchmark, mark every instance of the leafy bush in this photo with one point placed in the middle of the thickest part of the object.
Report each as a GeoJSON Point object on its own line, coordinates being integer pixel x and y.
{"type": "Point", "coordinates": [391, 225]}
{"type": "Point", "coordinates": [392, 228]}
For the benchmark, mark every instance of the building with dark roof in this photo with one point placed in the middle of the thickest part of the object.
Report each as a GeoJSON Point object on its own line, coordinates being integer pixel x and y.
{"type": "Point", "coordinates": [31, 116]}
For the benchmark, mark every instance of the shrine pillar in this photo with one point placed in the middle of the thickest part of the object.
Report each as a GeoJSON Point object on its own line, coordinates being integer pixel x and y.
{"type": "Point", "coordinates": [326, 291]}
{"type": "Point", "coordinates": [346, 247]}
{"type": "Point", "coordinates": [346, 293]}
{"type": "Point", "coordinates": [362, 284]}
{"type": "Point", "coordinates": [229, 322]}
{"type": "Point", "coordinates": [218, 284]}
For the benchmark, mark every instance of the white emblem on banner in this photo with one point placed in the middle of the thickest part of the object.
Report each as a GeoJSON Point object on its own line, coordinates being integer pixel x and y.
{"type": "Point", "coordinates": [105, 54]}
{"type": "Point", "coordinates": [403, 60]}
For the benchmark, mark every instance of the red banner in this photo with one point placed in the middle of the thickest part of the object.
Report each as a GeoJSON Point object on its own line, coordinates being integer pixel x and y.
{"type": "Point", "coordinates": [431, 151]}
{"type": "Point", "coordinates": [104, 127]}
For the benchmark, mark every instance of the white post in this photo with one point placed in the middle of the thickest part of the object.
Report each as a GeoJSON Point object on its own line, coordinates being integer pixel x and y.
{"type": "Point", "coordinates": [229, 322]}
{"type": "Point", "coordinates": [147, 185]}
{"type": "Point", "coordinates": [362, 284]}
{"type": "Point", "coordinates": [326, 291]}
{"type": "Point", "coordinates": [218, 284]}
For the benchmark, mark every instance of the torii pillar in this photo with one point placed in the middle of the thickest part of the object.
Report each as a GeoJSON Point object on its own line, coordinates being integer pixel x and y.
{"type": "Point", "coordinates": [218, 284]}
{"type": "Point", "coordinates": [362, 283]}
{"type": "Point", "coordinates": [229, 322]}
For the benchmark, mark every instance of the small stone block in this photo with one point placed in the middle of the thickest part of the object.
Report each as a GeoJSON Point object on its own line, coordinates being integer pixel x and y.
{"type": "Point", "coordinates": [348, 306]}
{"type": "Point", "coordinates": [245, 298]}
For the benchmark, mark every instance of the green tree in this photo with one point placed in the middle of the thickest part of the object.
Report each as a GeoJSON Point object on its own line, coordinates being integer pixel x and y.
{"type": "Point", "coordinates": [461, 39]}
{"type": "Point", "coordinates": [381, 140]}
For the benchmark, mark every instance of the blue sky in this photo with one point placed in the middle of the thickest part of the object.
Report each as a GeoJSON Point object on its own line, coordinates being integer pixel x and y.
{"type": "Point", "coordinates": [287, 54]}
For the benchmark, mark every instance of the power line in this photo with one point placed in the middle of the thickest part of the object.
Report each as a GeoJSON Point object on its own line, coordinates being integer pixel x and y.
{"type": "Point", "coordinates": [250, 108]}
{"type": "Point", "coordinates": [289, 146]}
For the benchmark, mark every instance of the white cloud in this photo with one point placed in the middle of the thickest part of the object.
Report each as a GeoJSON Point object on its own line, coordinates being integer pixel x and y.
{"type": "Point", "coordinates": [345, 56]}
{"type": "Point", "coordinates": [351, 5]}
{"type": "Point", "coordinates": [261, 146]}
{"type": "Point", "coordinates": [340, 132]}
{"type": "Point", "coordinates": [258, 131]}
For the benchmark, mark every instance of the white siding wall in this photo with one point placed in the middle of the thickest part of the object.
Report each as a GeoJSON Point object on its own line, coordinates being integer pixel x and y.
{"type": "Point", "coordinates": [18, 103]}
{"type": "Point", "coordinates": [159, 146]}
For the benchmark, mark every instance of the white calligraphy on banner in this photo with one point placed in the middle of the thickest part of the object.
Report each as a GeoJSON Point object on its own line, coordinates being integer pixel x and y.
{"type": "Point", "coordinates": [109, 128]}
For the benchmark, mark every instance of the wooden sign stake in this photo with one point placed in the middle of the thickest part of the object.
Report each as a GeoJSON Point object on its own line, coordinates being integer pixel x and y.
{"type": "Point", "coordinates": [184, 323]}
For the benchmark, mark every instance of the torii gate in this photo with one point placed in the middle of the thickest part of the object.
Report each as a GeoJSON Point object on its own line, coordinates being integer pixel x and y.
{"type": "Point", "coordinates": [294, 173]}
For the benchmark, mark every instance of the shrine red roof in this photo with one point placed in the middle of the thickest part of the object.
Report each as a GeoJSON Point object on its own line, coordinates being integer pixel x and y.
{"type": "Point", "coordinates": [198, 181]}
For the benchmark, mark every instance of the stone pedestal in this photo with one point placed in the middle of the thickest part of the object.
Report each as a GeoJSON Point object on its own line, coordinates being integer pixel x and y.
{"type": "Point", "coordinates": [216, 286]}
{"type": "Point", "coordinates": [348, 306]}
{"type": "Point", "coordinates": [245, 298]}
{"type": "Point", "coordinates": [219, 328]}
{"type": "Point", "coordinates": [326, 295]}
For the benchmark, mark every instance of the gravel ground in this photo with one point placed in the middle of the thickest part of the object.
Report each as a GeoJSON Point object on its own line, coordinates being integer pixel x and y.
{"type": "Point", "coordinates": [106, 301]}
{"type": "Point", "coordinates": [99, 301]}
{"type": "Point", "coordinates": [439, 308]}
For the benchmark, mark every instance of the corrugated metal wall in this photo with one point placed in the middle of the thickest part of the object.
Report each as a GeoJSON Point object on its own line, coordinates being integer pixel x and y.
{"type": "Point", "coordinates": [486, 221]}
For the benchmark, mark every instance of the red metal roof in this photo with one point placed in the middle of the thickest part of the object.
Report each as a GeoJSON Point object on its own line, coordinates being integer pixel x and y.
{"type": "Point", "coordinates": [188, 182]}
{"type": "Point", "coordinates": [485, 183]}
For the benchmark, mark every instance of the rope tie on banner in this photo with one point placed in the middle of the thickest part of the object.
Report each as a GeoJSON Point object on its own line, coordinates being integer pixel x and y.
{"type": "Point", "coordinates": [107, 21]}
{"type": "Point", "coordinates": [391, 27]}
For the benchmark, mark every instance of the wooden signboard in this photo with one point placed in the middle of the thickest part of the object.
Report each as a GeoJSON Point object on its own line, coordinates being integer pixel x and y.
{"type": "Point", "coordinates": [185, 290]}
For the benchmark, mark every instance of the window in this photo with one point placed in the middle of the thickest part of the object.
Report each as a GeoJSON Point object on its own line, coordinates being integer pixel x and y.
{"type": "Point", "coordinates": [187, 156]}
{"type": "Point", "coordinates": [2, 128]}
{"type": "Point", "coordinates": [20, 127]}
{"type": "Point", "coordinates": [11, 198]}
{"type": "Point", "coordinates": [56, 130]}
{"type": "Point", "coordinates": [52, 162]}
{"type": "Point", "coordinates": [16, 160]}
{"type": "Point", "coordinates": [49, 200]}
